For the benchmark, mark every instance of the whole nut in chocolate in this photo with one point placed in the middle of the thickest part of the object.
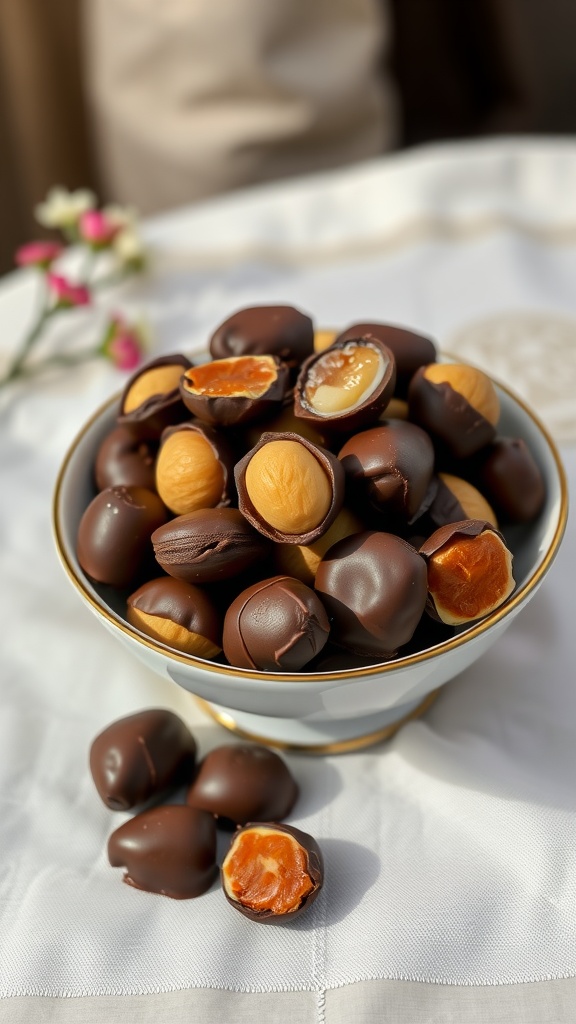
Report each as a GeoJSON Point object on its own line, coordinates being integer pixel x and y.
{"type": "Point", "coordinates": [193, 468]}
{"type": "Point", "coordinates": [243, 782]}
{"type": "Point", "coordinates": [151, 399]}
{"type": "Point", "coordinates": [114, 533]}
{"type": "Point", "coordinates": [282, 331]}
{"type": "Point", "coordinates": [208, 545]}
{"type": "Point", "coordinates": [177, 614]}
{"type": "Point", "coordinates": [457, 404]}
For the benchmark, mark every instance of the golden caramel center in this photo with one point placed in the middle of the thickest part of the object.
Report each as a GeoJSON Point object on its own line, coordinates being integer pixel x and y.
{"type": "Point", "coordinates": [267, 871]}
{"type": "Point", "coordinates": [160, 380]}
{"type": "Point", "coordinates": [237, 377]}
{"type": "Point", "coordinates": [343, 379]}
{"type": "Point", "coordinates": [288, 487]}
{"type": "Point", "coordinates": [470, 577]}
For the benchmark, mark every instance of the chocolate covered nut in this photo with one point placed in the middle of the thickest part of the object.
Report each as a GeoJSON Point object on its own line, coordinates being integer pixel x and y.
{"type": "Point", "coordinates": [395, 463]}
{"type": "Point", "coordinates": [243, 782]}
{"type": "Point", "coordinates": [469, 571]}
{"type": "Point", "coordinates": [193, 468]}
{"type": "Point", "coordinates": [411, 350]}
{"type": "Point", "coordinates": [512, 479]}
{"type": "Point", "coordinates": [275, 625]}
{"type": "Point", "coordinates": [168, 850]}
{"type": "Point", "coordinates": [289, 489]}
{"type": "Point", "coordinates": [141, 756]}
{"type": "Point", "coordinates": [323, 339]}
{"type": "Point", "coordinates": [151, 400]}
{"type": "Point", "coordinates": [346, 386]}
{"type": "Point", "coordinates": [457, 404]}
{"type": "Point", "coordinates": [373, 586]}
{"type": "Point", "coordinates": [235, 390]}
{"type": "Point", "coordinates": [177, 614]}
{"type": "Point", "coordinates": [265, 330]}
{"type": "Point", "coordinates": [272, 871]}
{"type": "Point", "coordinates": [457, 499]}
{"type": "Point", "coordinates": [125, 460]}
{"type": "Point", "coordinates": [114, 533]}
{"type": "Point", "coordinates": [208, 545]}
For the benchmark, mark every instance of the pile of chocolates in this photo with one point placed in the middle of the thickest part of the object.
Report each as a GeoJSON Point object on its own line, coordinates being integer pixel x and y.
{"type": "Point", "coordinates": [307, 501]}
{"type": "Point", "coordinates": [271, 870]}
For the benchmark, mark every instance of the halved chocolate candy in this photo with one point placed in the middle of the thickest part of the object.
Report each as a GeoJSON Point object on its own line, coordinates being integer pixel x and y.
{"type": "Point", "coordinates": [151, 399]}
{"type": "Point", "coordinates": [469, 571]}
{"type": "Point", "coordinates": [290, 489]}
{"type": "Point", "coordinates": [235, 390]}
{"type": "Point", "coordinates": [411, 350]}
{"type": "Point", "coordinates": [272, 872]}
{"type": "Point", "coordinates": [347, 386]}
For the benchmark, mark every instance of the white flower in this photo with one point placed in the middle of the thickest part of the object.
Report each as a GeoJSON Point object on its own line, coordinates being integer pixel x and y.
{"type": "Point", "coordinates": [121, 216]}
{"type": "Point", "coordinates": [61, 208]}
{"type": "Point", "coordinates": [129, 248]}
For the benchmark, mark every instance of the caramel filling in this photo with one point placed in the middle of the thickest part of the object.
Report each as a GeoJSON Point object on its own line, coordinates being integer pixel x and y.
{"type": "Point", "coordinates": [158, 381]}
{"type": "Point", "coordinates": [343, 379]}
{"type": "Point", "coordinates": [237, 377]}
{"type": "Point", "coordinates": [267, 871]}
{"type": "Point", "coordinates": [470, 577]}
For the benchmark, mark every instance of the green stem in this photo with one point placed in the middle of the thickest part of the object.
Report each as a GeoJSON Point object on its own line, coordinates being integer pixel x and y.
{"type": "Point", "coordinates": [15, 368]}
{"type": "Point", "coordinates": [59, 359]}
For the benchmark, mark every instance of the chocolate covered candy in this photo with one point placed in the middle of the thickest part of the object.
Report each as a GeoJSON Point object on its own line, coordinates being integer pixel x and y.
{"type": "Point", "coordinates": [125, 460]}
{"type": "Point", "coordinates": [141, 756]}
{"type": "Point", "coordinates": [239, 389]}
{"type": "Point", "coordinates": [272, 872]}
{"type": "Point", "coordinates": [151, 400]}
{"type": "Point", "coordinates": [289, 489]}
{"type": "Point", "coordinates": [511, 477]}
{"type": "Point", "coordinates": [282, 331]}
{"type": "Point", "coordinates": [374, 588]}
{"type": "Point", "coordinates": [347, 386]}
{"type": "Point", "coordinates": [194, 468]}
{"type": "Point", "coordinates": [457, 499]}
{"type": "Point", "coordinates": [469, 571]}
{"type": "Point", "coordinates": [114, 533]}
{"type": "Point", "coordinates": [243, 782]}
{"type": "Point", "coordinates": [208, 545]}
{"type": "Point", "coordinates": [457, 404]}
{"type": "Point", "coordinates": [394, 464]}
{"type": "Point", "coordinates": [276, 625]}
{"type": "Point", "coordinates": [411, 350]}
{"type": "Point", "coordinates": [169, 850]}
{"type": "Point", "coordinates": [177, 614]}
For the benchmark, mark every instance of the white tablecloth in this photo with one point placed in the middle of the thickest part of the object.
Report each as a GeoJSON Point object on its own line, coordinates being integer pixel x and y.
{"type": "Point", "coordinates": [451, 851]}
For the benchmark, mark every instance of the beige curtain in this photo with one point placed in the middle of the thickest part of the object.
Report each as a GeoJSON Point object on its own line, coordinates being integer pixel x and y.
{"type": "Point", "coordinates": [43, 134]}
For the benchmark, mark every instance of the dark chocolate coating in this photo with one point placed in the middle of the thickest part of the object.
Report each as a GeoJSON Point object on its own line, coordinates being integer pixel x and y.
{"type": "Point", "coordinates": [243, 782]}
{"type": "Point", "coordinates": [314, 867]}
{"type": "Point", "coordinates": [158, 411]}
{"type": "Point", "coordinates": [448, 416]}
{"type": "Point", "coordinates": [141, 756]}
{"type": "Point", "coordinates": [362, 415]}
{"type": "Point", "coordinates": [445, 507]}
{"type": "Point", "coordinates": [233, 410]}
{"type": "Point", "coordinates": [374, 587]}
{"type": "Point", "coordinates": [170, 850]}
{"type": "Point", "coordinates": [114, 533]}
{"type": "Point", "coordinates": [180, 602]}
{"type": "Point", "coordinates": [511, 480]}
{"type": "Point", "coordinates": [124, 460]}
{"type": "Point", "coordinates": [395, 462]}
{"type": "Point", "coordinates": [276, 625]}
{"type": "Point", "coordinates": [331, 466]}
{"type": "Point", "coordinates": [208, 545]}
{"type": "Point", "coordinates": [265, 330]}
{"type": "Point", "coordinates": [411, 350]}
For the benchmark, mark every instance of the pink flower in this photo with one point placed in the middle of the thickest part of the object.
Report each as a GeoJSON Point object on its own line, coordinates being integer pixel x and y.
{"type": "Point", "coordinates": [66, 293]}
{"type": "Point", "coordinates": [97, 229]}
{"type": "Point", "coordinates": [38, 254]}
{"type": "Point", "coordinates": [123, 345]}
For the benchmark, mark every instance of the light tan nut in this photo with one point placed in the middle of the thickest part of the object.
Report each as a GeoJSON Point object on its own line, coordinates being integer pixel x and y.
{"type": "Point", "coordinates": [159, 380]}
{"type": "Point", "coordinates": [473, 503]}
{"type": "Point", "coordinates": [173, 635]}
{"type": "Point", "coordinates": [288, 487]}
{"type": "Point", "coordinates": [189, 475]}
{"type": "Point", "coordinates": [323, 339]}
{"type": "Point", "coordinates": [474, 385]}
{"type": "Point", "coordinates": [302, 560]}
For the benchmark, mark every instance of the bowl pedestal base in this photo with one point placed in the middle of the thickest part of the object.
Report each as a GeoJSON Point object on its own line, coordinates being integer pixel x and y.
{"type": "Point", "coordinates": [315, 736]}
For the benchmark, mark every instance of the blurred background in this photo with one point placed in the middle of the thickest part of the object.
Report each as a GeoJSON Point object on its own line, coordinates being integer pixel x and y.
{"type": "Point", "coordinates": [157, 103]}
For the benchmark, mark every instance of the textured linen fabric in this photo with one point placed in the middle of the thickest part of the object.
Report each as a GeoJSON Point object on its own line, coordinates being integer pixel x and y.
{"type": "Point", "coordinates": [450, 851]}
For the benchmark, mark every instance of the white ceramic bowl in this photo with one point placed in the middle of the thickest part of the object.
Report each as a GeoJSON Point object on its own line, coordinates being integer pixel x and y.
{"type": "Point", "coordinates": [328, 711]}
